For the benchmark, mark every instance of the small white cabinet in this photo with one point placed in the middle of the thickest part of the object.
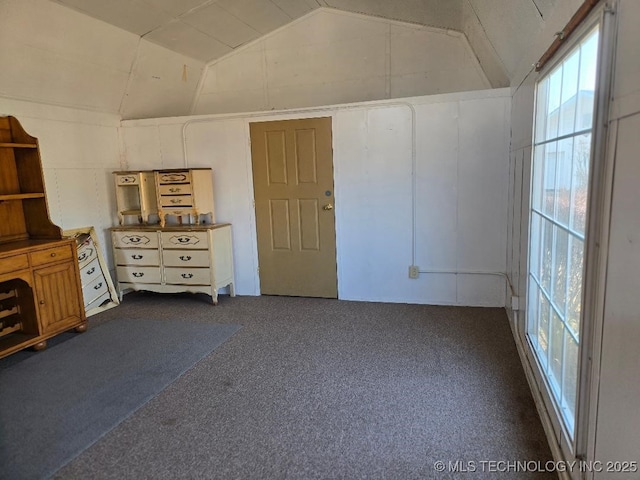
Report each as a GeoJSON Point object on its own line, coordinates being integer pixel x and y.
{"type": "Point", "coordinates": [135, 195]}
{"type": "Point", "coordinates": [173, 259]}
{"type": "Point", "coordinates": [185, 192]}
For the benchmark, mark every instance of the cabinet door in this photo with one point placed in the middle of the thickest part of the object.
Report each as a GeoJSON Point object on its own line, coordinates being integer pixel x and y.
{"type": "Point", "coordinates": [57, 297]}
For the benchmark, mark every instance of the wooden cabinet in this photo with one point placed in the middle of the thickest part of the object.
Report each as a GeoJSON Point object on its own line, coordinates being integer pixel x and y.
{"type": "Point", "coordinates": [194, 258]}
{"type": "Point", "coordinates": [58, 307]}
{"type": "Point", "coordinates": [39, 278]}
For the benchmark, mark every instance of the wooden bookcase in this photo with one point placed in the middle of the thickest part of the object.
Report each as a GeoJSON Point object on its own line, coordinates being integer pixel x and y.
{"type": "Point", "coordinates": [40, 293]}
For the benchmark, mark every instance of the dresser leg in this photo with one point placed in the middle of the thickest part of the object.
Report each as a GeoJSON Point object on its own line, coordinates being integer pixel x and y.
{"type": "Point", "coordinates": [40, 346]}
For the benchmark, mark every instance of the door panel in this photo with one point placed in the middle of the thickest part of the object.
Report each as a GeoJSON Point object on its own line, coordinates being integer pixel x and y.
{"type": "Point", "coordinates": [293, 186]}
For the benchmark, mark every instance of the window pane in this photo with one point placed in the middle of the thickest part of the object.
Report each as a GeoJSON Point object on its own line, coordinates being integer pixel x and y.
{"type": "Point", "coordinates": [538, 175]}
{"type": "Point", "coordinates": [549, 178]}
{"type": "Point", "coordinates": [553, 103]}
{"type": "Point", "coordinates": [547, 251]}
{"type": "Point", "coordinates": [543, 329]}
{"type": "Point", "coordinates": [580, 185]}
{"type": "Point", "coordinates": [570, 382]}
{"type": "Point", "coordinates": [588, 64]}
{"type": "Point", "coordinates": [557, 346]}
{"type": "Point", "coordinates": [569, 94]}
{"type": "Point", "coordinates": [534, 252]}
{"type": "Point", "coordinates": [542, 100]}
{"type": "Point", "coordinates": [533, 308]}
{"type": "Point", "coordinates": [574, 295]}
{"type": "Point", "coordinates": [560, 269]}
{"type": "Point", "coordinates": [563, 181]}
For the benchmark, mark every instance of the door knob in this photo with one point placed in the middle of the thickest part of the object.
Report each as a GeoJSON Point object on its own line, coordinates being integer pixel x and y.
{"type": "Point", "coordinates": [328, 206]}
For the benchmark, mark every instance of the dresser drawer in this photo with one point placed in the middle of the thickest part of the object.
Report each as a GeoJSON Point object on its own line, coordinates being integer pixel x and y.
{"type": "Point", "coordinates": [132, 239]}
{"type": "Point", "coordinates": [137, 256]}
{"type": "Point", "coordinates": [187, 276]}
{"type": "Point", "coordinates": [90, 272]}
{"type": "Point", "coordinates": [173, 177]}
{"type": "Point", "coordinates": [87, 253]}
{"type": "Point", "coordinates": [126, 179]}
{"type": "Point", "coordinates": [94, 290]}
{"type": "Point", "coordinates": [177, 201]}
{"type": "Point", "coordinates": [95, 303]}
{"type": "Point", "coordinates": [184, 240]}
{"type": "Point", "coordinates": [13, 263]}
{"type": "Point", "coordinates": [186, 258]}
{"type": "Point", "coordinates": [183, 189]}
{"type": "Point", "coordinates": [132, 274]}
{"type": "Point", "coordinates": [50, 255]}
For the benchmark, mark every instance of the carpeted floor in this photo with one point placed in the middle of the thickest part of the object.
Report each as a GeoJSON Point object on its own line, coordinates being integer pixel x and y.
{"type": "Point", "coordinates": [314, 388]}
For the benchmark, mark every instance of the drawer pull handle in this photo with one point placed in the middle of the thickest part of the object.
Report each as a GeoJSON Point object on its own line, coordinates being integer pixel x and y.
{"type": "Point", "coordinates": [138, 274]}
{"type": "Point", "coordinates": [127, 179]}
{"type": "Point", "coordinates": [91, 270]}
{"type": "Point", "coordinates": [184, 239]}
{"type": "Point", "coordinates": [174, 178]}
{"type": "Point", "coordinates": [137, 257]}
{"type": "Point", "coordinates": [98, 286]}
{"type": "Point", "coordinates": [176, 200]}
{"type": "Point", "coordinates": [187, 275]}
{"type": "Point", "coordinates": [82, 256]}
{"type": "Point", "coordinates": [185, 258]}
{"type": "Point", "coordinates": [53, 254]}
{"type": "Point", "coordinates": [175, 190]}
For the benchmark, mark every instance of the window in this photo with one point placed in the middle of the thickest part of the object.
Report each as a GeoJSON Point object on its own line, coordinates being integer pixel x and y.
{"type": "Point", "coordinates": [565, 101]}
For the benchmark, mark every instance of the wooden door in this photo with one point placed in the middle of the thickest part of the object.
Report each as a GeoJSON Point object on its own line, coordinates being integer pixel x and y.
{"type": "Point", "coordinates": [57, 296]}
{"type": "Point", "coordinates": [294, 199]}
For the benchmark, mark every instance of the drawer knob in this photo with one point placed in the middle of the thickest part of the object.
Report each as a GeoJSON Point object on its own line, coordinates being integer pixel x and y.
{"type": "Point", "coordinates": [187, 275]}
{"type": "Point", "coordinates": [82, 256]}
{"type": "Point", "coordinates": [137, 257]}
{"type": "Point", "coordinates": [176, 200]}
{"type": "Point", "coordinates": [91, 270]}
{"type": "Point", "coordinates": [185, 258]}
{"type": "Point", "coordinates": [53, 254]}
{"type": "Point", "coordinates": [174, 190]}
{"type": "Point", "coordinates": [138, 274]}
{"type": "Point", "coordinates": [98, 286]}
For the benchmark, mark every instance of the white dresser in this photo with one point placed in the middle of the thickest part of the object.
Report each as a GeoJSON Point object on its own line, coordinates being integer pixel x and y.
{"type": "Point", "coordinates": [173, 259]}
{"type": "Point", "coordinates": [98, 290]}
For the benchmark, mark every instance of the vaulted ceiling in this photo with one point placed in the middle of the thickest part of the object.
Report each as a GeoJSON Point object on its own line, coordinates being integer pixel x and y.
{"type": "Point", "coordinates": [209, 29]}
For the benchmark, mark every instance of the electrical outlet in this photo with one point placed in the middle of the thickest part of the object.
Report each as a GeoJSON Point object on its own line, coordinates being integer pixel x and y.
{"type": "Point", "coordinates": [515, 303]}
{"type": "Point", "coordinates": [414, 271]}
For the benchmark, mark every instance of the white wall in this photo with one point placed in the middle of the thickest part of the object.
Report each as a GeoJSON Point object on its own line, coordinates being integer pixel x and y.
{"type": "Point", "coordinates": [614, 427]}
{"type": "Point", "coordinates": [461, 194]}
{"type": "Point", "coordinates": [79, 150]}
{"type": "Point", "coordinates": [330, 57]}
{"type": "Point", "coordinates": [618, 420]}
{"type": "Point", "coordinates": [54, 55]}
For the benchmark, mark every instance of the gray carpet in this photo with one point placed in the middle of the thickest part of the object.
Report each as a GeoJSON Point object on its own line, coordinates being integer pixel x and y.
{"type": "Point", "coordinates": [55, 404]}
{"type": "Point", "coordinates": [327, 389]}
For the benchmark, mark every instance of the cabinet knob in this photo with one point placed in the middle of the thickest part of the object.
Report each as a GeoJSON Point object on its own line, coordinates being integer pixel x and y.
{"type": "Point", "coordinates": [53, 254]}
{"type": "Point", "coordinates": [41, 302]}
